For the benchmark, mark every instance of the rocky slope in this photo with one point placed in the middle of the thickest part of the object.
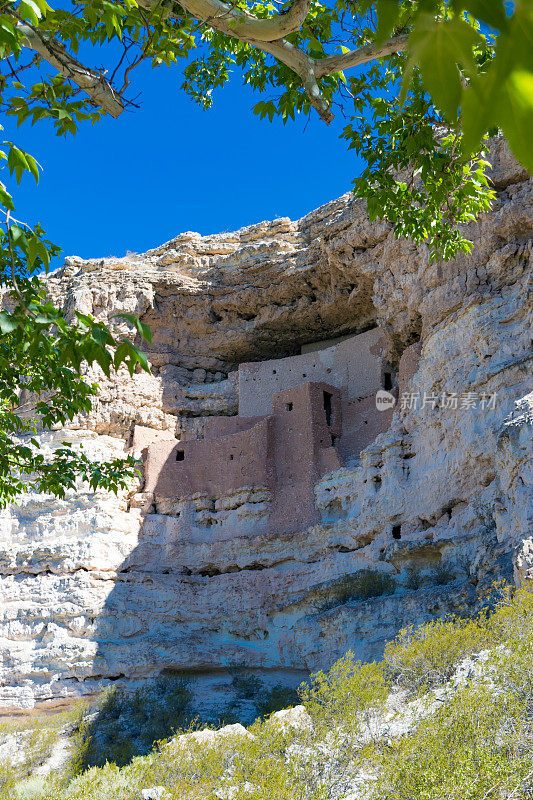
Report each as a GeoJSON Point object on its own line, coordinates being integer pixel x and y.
{"type": "Point", "coordinates": [97, 589]}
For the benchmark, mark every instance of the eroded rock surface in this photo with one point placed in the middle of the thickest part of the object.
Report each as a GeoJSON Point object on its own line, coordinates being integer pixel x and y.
{"type": "Point", "coordinates": [98, 589]}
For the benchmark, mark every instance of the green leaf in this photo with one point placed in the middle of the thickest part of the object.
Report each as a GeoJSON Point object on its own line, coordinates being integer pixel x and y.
{"type": "Point", "coordinates": [8, 322]}
{"type": "Point", "coordinates": [103, 358]}
{"type": "Point", "coordinates": [492, 12]}
{"type": "Point", "coordinates": [16, 161]}
{"type": "Point", "coordinates": [101, 336]}
{"type": "Point", "coordinates": [85, 319]}
{"type": "Point", "coordinates": [36, 249]}
{"type": "Point", "coordinates": [501, 96]}
{"type": "Point", "coordinates": [18, 237]}
{"type": "Point", "coordinates": [515, 115]}
{"type": "Point", "coordinates": [439, 46]}
{"type": "Point", "coordinates": [388, 16]}
{"type": "Point", "coordinates": [19, 162]}
{"type": "Point", "coordinates": [31, 10]}
{"type": "Point", "coordinates": [143, 329]}
{"type": "Point", "coordinates": [121, 354]}
{"type": "Point", "coordinates": [140, 357]}
{"type": "Point", "coordinates": [5, 199]}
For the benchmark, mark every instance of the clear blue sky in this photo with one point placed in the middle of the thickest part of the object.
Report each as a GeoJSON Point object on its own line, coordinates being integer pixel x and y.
{"type": "Point", "coordinates": [132, 183]}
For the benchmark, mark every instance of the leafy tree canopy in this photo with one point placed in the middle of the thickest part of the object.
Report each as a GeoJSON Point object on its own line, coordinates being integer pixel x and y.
{"type": "Point", "coordinates": [424, 82]}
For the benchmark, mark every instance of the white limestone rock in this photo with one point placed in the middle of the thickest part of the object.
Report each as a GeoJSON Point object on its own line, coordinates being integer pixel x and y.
{"type": "Point", "coordinates": [95, 588]}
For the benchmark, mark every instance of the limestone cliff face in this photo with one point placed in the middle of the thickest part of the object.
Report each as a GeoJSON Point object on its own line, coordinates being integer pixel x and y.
{"type": "Point", "coordinates": [96, 588]}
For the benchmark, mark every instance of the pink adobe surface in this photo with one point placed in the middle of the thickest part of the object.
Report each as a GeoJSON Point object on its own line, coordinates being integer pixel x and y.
{"type": "Point", "coordinates": [314, 428]}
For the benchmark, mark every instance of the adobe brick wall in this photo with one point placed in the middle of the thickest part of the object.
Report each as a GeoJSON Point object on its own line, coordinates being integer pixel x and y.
{"type": "Point", "coordinates": [144, 436]}
{"type": "Point", "coordinates": [312, 347]}
{"type": "Point", "coordinates": [362, 422]}
{"type": "Point", "coordinates": [211, 466]}
{"type": "Point", "coordinates": [354, 364]}
{"type": "Point", "coordinates": [227, 426]}
{"type": "Point", "coordinates": [286, 451]}
{"type": "Point", "coordinates": [303, 451]}
{"type": "Point", "coordinates": [310, 426]}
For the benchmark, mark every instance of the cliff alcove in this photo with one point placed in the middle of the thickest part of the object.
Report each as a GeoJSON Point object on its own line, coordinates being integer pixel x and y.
{"type": "Point", "coordinates": [405, 522]}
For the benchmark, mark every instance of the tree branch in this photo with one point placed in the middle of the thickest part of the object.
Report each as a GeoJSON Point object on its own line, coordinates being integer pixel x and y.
{"type": "Point", "coordinates": [266, 35]}
{"type": "Point", "coordinates": [304, 66]}
{"type": "Point", "coordinates": [93, 83]}
{"type": "Point", "coordinates": [241, 24]}
{"type": "Point", "coordinates": [355, 58]}
{"type": "Point", "coordinates": [310, 70]}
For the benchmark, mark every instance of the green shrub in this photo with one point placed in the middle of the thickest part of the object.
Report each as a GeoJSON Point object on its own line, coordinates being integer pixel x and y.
{"type": "Point", "coordinates": [421, 657]}
{"type": "Point", "coordinates": [414, 578]}
{"type": "Point", "coordinates": [443, 574]}
{"type": "Point", "coordinates": [246, 685]}
{"type": "Point", "coordinates": [346, 695]}
{"type": "Point", "coordinates": [361, 586]}
{"type": "Point", "coordinates": [275, 699]}
{"type": "Point", "coordinates": [466, 750]}
{"type": "Point", "coordinates": [370, 583]}
{"type": "Point", "coordinates": [511, 620]}
{"type": "Point", "coordinates": [9, 777]}
{"type": "Point", "coordinates": [35, 738]}
{"type": "Point", "coordinates": [128, 724]}
{"type": "Point", "coordinates": [478, 745]}
{"type": "Point", "coordinates": [254, 699]}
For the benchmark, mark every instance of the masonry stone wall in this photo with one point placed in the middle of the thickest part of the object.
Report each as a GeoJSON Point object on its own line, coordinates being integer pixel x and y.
{"type": "Point", "coordinates": [355, 365]}
{"type": "Point", "coordinates": [212, 466]}
{"type": "Point", "coordinates": [299, 418]}
{"type": "Point", "coordinates": [285, 452]}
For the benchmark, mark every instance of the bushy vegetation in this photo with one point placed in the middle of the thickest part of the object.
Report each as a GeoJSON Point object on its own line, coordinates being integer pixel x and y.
{"type": "Point", "coordinates": [30, 742]}
{"type": "Point", "coordinates": [362, 585]}
{"type": "Point", "coordinates": [424, 656]}
{"type": "Point", "coordinates": [400, 727]}
{"type": "Point", "coordinates": [126, 724]}
{"type": "Point", "coordinates": [253, 698]}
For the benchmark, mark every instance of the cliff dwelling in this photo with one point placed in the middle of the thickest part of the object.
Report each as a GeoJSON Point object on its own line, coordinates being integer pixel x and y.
{"type": "Point", "coordinates": [298, 418]}
{"type": "Point", "coordinates": [274, 487]}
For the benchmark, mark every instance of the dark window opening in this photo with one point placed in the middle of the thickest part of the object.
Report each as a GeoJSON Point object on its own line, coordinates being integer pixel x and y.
{"type": "Point", "coordinates": [328, 407]}
{"type": "Point", "coordinates": [180, 455]}
{"type": "Point", "coordinates": [333, 440]}
{"type": "Point", "coordinates": [231, 457]}
{"type": "Point", "coordinates": [288, 406]}
{"type": "Point", "coordinates": [396, 531]}
{"type": "Point", "coordinates": [387, 381]}
{"type": "Point", "coordinates": [274, 371]}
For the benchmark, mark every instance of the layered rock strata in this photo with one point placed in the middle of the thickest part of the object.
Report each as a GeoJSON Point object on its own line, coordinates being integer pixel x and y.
{"type": "Point", "coordinates": [97, 589]}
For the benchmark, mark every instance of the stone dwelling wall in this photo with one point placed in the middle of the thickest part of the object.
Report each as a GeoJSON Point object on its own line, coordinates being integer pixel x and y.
{"type": "Point", "coordinates": [212, 466]}
{"type": "Point", "coordinates": [304, 452]}
{"type": "Point", "coordinates": [287, 452]}
{"type": "Point", "coordinates": [354, 364]}
{"type": "Point", "coordinates": [227, 426]}
{"type": "Point", "coordinates": [323, 344]}
{"type": "Point", "coordinates": [362, 423]}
